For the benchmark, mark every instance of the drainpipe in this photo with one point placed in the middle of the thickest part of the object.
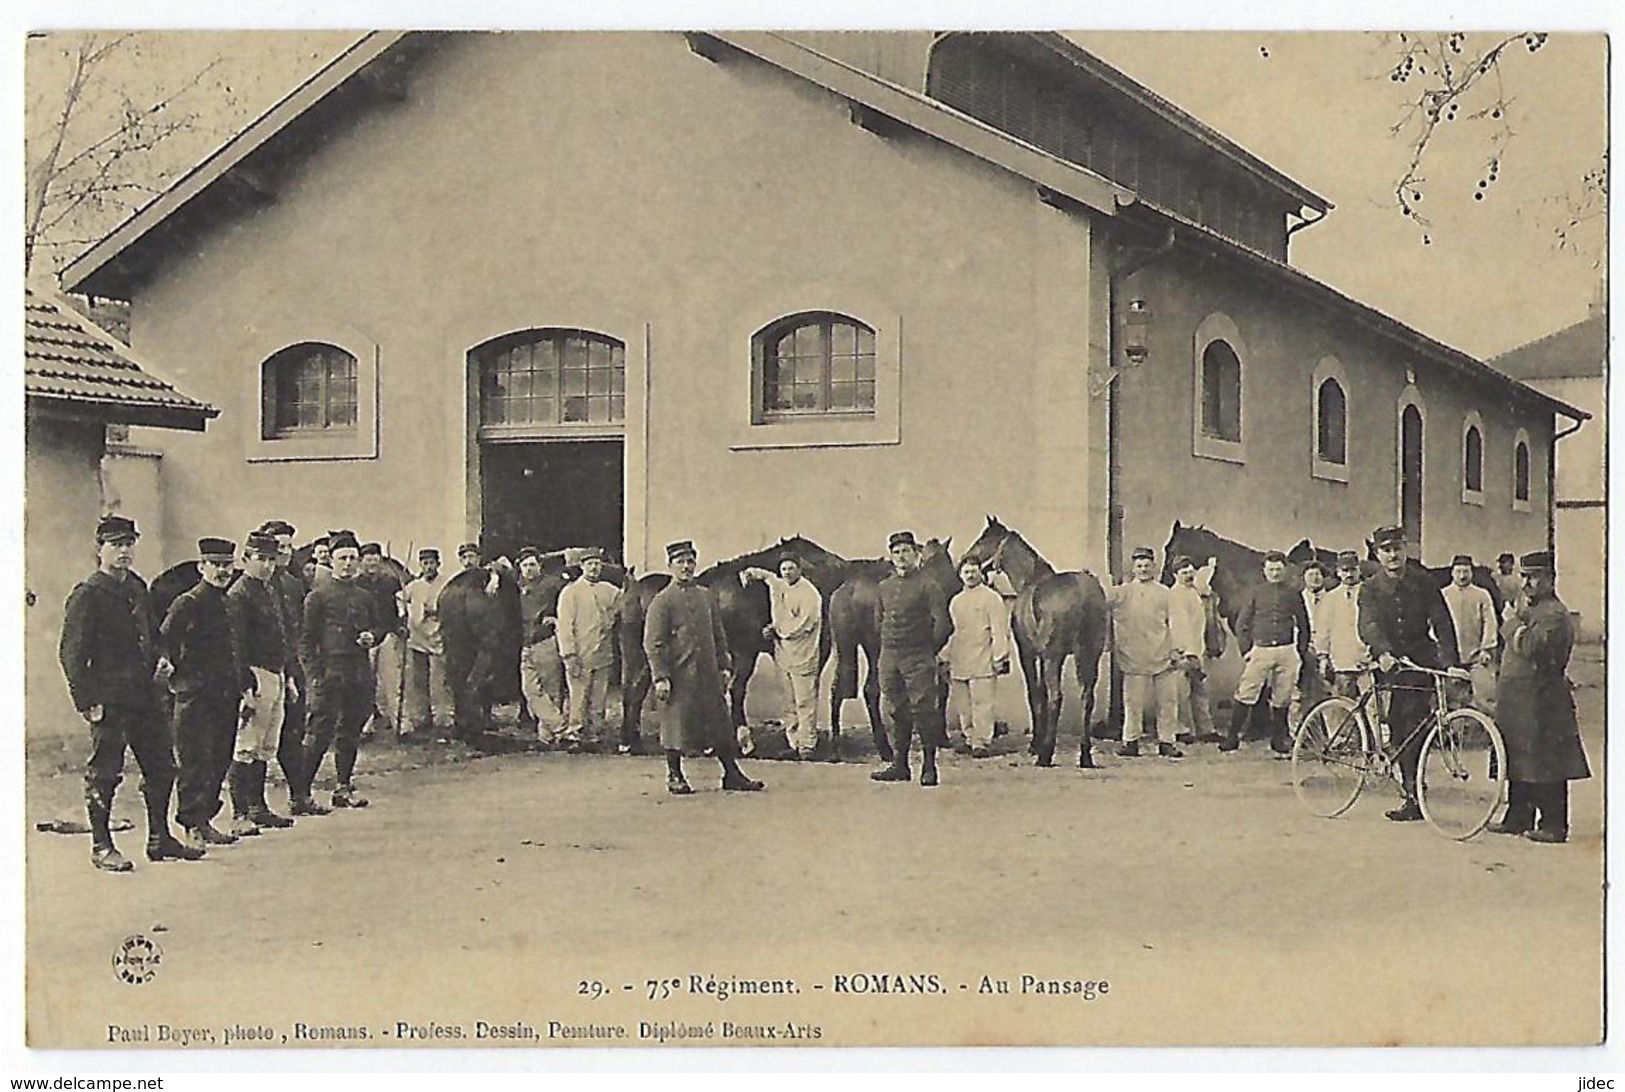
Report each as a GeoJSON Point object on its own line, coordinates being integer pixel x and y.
{"type": "Point", "coordinates": [1551, 486]}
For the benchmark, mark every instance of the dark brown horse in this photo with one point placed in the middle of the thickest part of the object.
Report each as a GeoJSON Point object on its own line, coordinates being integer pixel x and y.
{"type": "Point", "coordinates": [745, 613]}
{"type": "Point", "coordinates": [854, 623]}
{"type": "Point", "coordinates": [1056, 615]}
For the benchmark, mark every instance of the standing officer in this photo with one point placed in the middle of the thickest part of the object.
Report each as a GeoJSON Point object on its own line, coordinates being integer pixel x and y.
{"type": "Point", "coordinates": [341, 625]}
{"type": "Point", "coordinates": [211, 684]}
{"type": "Point", "coordinates": [1402, 615]}
{"type": "Point", "coordinates": [1535, 709]}
{"type": "Point", "coordinates": [106, 654]}
{"type": "Point", "coordinates": [689, 662]}
{"type": "Point", "coordinates": [914, 625]}
{"type": "Point", "coordinates": [262, 640]}
{"type": "Point", "coordinates": [290, 592]}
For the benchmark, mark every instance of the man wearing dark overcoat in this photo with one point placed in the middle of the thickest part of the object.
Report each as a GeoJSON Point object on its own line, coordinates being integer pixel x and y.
{"type": "Point", "coordinates": [108, 657]}
{"type": "Point", "coordinates": [1535, 709]}
{"type": "Point", "coordinates": [341, 625]}
{"type": "Point", "coordinates": [210, 682]}
{"type": "Point", "coordinates": [1403, 615]}
{"type": "Point", "coordinates": [290, 594]}
{"type": "Point", "coordinates": [914, 627]}
{"type": "Point", "coordinates": [262, 640]}
{"type": "Point", "coordinates": [689, 663]}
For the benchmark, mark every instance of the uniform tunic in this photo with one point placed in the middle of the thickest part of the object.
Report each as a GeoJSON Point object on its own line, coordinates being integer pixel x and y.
{"type": "Point", "coordinates": [208, 682]}
{"type": "Point", "coordinates": [685, 642]}
{"type": "Point", "coordinates": [337, 612]}
{"type": "Point", "coordinates": [1405, 616]}
{"type": "Point", "coordinates": [914, 625]}
{"type": "Point", "coordinates": [256, 622]}
{"type": "Point", "coordinates": [1534, 702]}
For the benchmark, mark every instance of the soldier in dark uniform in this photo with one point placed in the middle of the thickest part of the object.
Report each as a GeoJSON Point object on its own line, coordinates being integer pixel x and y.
{"type": "Point", "coordinates": [107, 655]}
{"type": "Point", "coordinates": [914, 626]}
{"type": "Point", "coordinates": [341, 624]}
{"type": "Point", "coordinates": [1403, 616]}
{"type": "Point", "coordinates": [290, 592]}
{"type": "Point", "coordinates": [1535, 709]}
{"type": "Point", "coordinates": [210, 682]}
{"type": "Point", "coordinates": [385, 587]}
{"type": "Point", "coordinates": [262, 641]}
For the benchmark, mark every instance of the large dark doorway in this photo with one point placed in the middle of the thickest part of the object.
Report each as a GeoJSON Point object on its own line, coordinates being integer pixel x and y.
{"type": "Point", "coordinates": [552, 495]}
{"type": "Point", "coordinates": [1410, 478]}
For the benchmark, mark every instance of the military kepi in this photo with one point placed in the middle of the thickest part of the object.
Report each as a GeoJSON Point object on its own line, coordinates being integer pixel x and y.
{"type": "Point", "coordinates": [593, 553]}
{"type": "Point", "coordinates": [1348, 559]}
{"type": "Point", "coordinates": [1537, 562]}
{"type": "Point", "coordinates": [901, 538]}
{"type": "Point", "coordinates": [216, 549]}
{"type": "Point", "coordinates": [1388, 535]}
{"type": "Point", "coordinates": [116, 529]}
{"type": "Point", "coordinates": [372, 549]}
{"type": "Point", "coordinates": [468, 548]}
{"type": "Point", "coordinates": [428, 553]}
{"type": "Point", "coordinates": [1142, 551]}
{"type": "Point", "coordinates": [261, 542]}
{"type": "Point", "coordinates": [681, 548]}
{"type": "Point", "coordinates": [342, 540]}
{"type": "Point", "coordinates": [1462, 559]}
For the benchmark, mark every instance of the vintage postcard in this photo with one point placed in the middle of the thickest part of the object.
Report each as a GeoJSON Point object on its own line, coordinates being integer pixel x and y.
{"type": "Point", "coordinates": [745, 538]}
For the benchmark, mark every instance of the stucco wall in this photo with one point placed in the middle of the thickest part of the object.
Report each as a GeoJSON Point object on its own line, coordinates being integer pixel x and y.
{"type": "Point", "coordinates": [62, 503]}
{"type": "Point", "coordinates": [527, 180]}
{"type": "Point", "coordinates": [1272, 500]}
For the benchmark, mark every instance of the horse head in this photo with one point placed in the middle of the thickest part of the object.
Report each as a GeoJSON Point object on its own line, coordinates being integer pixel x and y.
{"type": "Point", "coordinates": [1002, 549]}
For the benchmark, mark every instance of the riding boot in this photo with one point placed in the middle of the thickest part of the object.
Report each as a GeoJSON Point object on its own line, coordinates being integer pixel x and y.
{"type": "Point", "coordinates": [162, 845]}
{"type": "Point", "coordinates": [733, 778]}
{"type": "Point", "coordinates": [261, 811]}
{"type": "Point", "coordinates": [898, 769]}
{"type": "Point", "coordinates": [1239, 714]}
{"type": "Point", "coordinates": [1552, 802]}
{"type": "Point", "coordinates": [103, 853]}
{"type": "Point", "coordinates": [238, 784]}
{"type": "Point", "coordinates": [676, 783]}
{"type": "Point", "coordinates": [1280, 737]}
{"type": "Point", "coordinates": [1520, 813]}
{"type": "Point", "coordinates": [928, 764]}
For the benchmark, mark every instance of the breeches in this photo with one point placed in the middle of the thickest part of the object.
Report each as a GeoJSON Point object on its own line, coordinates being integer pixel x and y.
{"type": "Point", "coordinates": [340, 703]}
{"type": "Point", "coordinates": [541, 678]}
{"type": "Point", "coordinates": [143, 730]}
{"type": "Point", "coordinates": [911, 696]}
{"type": "Point", "coordinates": [205, 731]}
{"type": "Point", "coordinates": [1275, 667]}
{"type": "Point", "coordinates": [258, 736]}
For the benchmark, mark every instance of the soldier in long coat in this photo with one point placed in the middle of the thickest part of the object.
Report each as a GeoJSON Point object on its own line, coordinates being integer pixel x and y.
{"type": "Point", "coordinates": [107, 656]}
{"type": "Point", "coordinates": [689, 662]}
{"type": "Point", "coordinates": [1535, 709]}
{"type": "Point", "coordinates": [291, 591]}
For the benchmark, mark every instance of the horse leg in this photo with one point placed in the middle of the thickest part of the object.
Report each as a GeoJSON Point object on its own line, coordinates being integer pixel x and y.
{"type": "Point", "coordinates": [633, 693]}
{"type": "Point", "coordinates": [844, 685]}
{"type": "Point", "coordinates": [871, 700]}
{"type": "Point", "coordinates": [1086, 756]}
{"type": "Point", "coordinates": [1035, 697]}
{"type": "Point", "coordinates": [1051, 668]}
{"type": "Point", "coordinates": [736, 700]}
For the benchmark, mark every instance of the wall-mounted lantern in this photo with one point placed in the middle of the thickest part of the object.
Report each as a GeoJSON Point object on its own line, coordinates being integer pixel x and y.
{"type": "Point", "coordinates": [1136, 332]}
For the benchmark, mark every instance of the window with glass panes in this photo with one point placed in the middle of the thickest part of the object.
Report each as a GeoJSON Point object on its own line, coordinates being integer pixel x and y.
{"type": "Point", "coordinates": [1331, 439]}
{"type": "Point", "coordinates": [552, 377]}
{"type": "Point", "coordinates": [817, 364]}
{"type": "Point", "coordinates": [1221, 392]}
{"type": "Point", "coordinates": [312, 389]}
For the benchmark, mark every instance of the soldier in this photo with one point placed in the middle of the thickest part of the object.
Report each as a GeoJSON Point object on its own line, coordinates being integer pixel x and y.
{"type": "Point", "coordinates": [1402, 615]}
{"type": "Point", "coordinates": [541, 671]}
{"type": "Point", "coordinates": [290, 595]}
{"type": "Point", "coordinates": [689, 662]}
{"type": "Point", "coordinates": [977, 652]}
{"type": "Point", "coordinates": [1473, 613]}
{"type": "Point", "coordinates": [1535, 709]}
{"type": "Point", "coordinates": [795, 622]}
{"type": "Point", "coordinates": [385, 587]}
{"type": "Point", "coordinates": [586, 636]}
{"type": "Point", "coordinates": [106, 654]}
{"type": "Point", "coordinates": [262, 639]}
{"type": "Point", "coordinates": [914, 625]}
{"type": "Point", "coordinates": [1272, 629]}
{"type": "Point", "coordinates": [340, 626]}
{"type": "Point", "coordinates": [211, 684]}
{"type": "Point", "coordinates": [1143, 640]}
{"type": "Point", "coordinates": [428, 695]}
{"type": "Point", "coordinates": [468, 555]}
{"type": "Point", "coordinates": [1344, 658]}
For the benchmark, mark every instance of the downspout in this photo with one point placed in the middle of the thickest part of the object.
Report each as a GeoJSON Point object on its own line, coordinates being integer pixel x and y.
{"type": "Point", "coordinates": [1551, 486]}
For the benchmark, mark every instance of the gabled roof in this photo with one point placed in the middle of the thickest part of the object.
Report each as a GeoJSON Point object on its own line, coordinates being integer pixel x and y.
{"type": "Point", "coordinates": [1386, 325]}
{"type": "Point", "coordinates": [71, 363]}
{"type": "Point", "coordinates": [1574, 352]}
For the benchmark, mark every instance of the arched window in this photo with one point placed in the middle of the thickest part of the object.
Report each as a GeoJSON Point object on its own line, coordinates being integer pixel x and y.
{"type": "Point", "coordinates": [1331, 423]}
{"type": "Point", "coordinates": [1221, 393]}
{"type": "Point", "coordinates": [1472, 459]}
{"type": "Point", "coordinates": [813, 364]}
{"type": "Point", "coordinates": [1520, 472]}
{"type": "Point", "coordinates": [308, 389]}
{"type": "Point", "coordinates": [538, 378]}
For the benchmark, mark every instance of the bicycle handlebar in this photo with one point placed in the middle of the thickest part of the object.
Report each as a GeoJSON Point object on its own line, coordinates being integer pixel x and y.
{"type": "Point", "coordinates": [1446, 673]}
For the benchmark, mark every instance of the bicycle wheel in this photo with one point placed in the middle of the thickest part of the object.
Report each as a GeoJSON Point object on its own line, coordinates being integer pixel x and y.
{"type": "Point", "coordinates": [1462, 777]}
{"type": "Point", "coordinates": [1329, 757]}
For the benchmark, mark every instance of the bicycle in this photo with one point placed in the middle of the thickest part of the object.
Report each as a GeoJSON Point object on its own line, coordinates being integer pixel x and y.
{"type": "Point", "coordinates": [1461, 778]}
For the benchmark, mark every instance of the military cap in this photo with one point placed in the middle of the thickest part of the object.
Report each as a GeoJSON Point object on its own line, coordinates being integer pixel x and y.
{"type": "Point", "coordinates": [593, 553]}
{"type": "Point", "coordinates": [1315, 565]}
{"type": "Point", "coordinates": [901, 538]}
{"type": "Point", "coordinates": [1274, 555]}
{"type": "Point", "coordinates": [528, 551]}
{"type": "Point", "coordinates": [342, 540]}
{"type": "Point", "coordinates": [790, 555]}
{"type": "Point", "coordinates": [216, 549]}
{"type": "Point", "coordinates": [277, 527]}
{"type": "Point", "coordinates": [428, 553]}
{"type": "Point", "coordinates": [1348, 559]}
{"type": "Point", "coordinates": [116, 529]}
{"type": "Point", "coordinates": [681, 548]}
{"type": "Point", "coordinates": [1388, 535]}
{"type": "Point", "coordinates": [1506, 557]}
{"type": "Point", "coordinates": [1538, 562]}
{"type": "Point", "coordinates": [1142, 551]}
{"type": "Point", "coordinates": [319, 540]}
{"type": "Point", "coordinates": [372, 548]}
{"type": "Point", "coordinates": [1462, 559]}
{"type": "Point", "coordinates": [1182, 562]}
{"type": "Point", "coordinates": [261, 542]}
{"type": "Point", "coordinates": [468, 548]}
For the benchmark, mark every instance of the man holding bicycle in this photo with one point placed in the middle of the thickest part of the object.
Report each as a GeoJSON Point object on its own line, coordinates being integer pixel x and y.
{"type": "Point", "coordinates": [1402, 615]}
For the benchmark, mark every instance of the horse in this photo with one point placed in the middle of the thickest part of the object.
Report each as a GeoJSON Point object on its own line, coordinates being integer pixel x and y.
{"type": "Point", "coordinates": [1056, 615]}
{"type": "Point", "coordinates": [745, 610]}
{"type": "Point", "coordinates": [854, 623]}
{"type": "Point", "coordinates": [480, 625]}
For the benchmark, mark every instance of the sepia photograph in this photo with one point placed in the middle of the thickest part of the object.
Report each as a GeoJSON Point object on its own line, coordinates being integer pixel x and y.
{"type": "Point", "coordinates": [770, 538]}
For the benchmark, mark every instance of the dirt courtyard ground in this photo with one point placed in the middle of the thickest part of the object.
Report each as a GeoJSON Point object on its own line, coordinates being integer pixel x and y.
{"type": "Point", "coordinates": [526, 892]}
